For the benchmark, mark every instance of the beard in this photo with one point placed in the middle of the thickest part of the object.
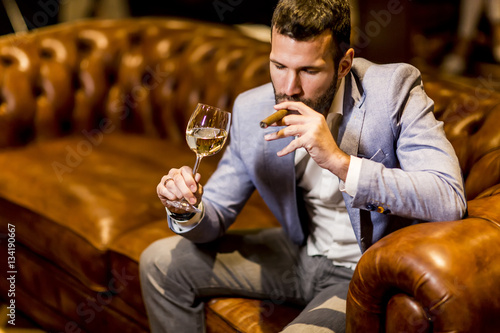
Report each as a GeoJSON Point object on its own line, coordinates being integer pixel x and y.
{"type": "Point", "coordinates": [321, 104]}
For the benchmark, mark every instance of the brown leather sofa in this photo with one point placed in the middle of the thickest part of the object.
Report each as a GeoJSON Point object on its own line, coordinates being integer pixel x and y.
{"type": "Point", "coordinates": [92, 114]}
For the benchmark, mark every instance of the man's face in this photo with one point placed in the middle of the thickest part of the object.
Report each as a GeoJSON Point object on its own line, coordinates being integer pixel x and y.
{"type": "Point", "coordinates": [303, 70]}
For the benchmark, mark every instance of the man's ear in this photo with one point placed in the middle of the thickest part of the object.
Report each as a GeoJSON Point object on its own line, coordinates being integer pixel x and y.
{"type": "Point", "coordinates": [345, 63]}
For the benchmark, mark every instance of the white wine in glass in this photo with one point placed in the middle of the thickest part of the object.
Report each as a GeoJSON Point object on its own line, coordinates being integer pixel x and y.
{"type": "Point", "coordinates": [206, 134]}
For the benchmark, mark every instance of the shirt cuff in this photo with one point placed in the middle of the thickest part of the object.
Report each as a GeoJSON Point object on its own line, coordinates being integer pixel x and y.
{"type": "Point", "coordinates": [352, 179]}
{"type": "Point", "coordinates": [182, 226]}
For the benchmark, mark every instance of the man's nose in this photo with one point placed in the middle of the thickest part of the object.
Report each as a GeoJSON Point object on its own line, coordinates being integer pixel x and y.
{"type": "Point", "coordinates": [293, 85]}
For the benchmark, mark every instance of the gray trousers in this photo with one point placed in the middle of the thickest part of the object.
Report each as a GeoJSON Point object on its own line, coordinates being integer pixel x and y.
{"type": "Point", "coordinates": [176, 275]}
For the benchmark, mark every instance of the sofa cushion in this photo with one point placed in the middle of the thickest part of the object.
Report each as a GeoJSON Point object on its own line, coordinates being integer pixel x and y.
{"type": "Point", "coordinates": [72, 223]}
{"type": "Point", "coordinates": [251, 315]}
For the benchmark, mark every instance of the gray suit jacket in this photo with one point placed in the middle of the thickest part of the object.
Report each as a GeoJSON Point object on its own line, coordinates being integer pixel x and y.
{"type": "Point", "coordinates": [409, 172]}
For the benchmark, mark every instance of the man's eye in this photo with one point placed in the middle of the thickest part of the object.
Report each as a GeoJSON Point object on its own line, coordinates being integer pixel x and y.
{"type": "Point", "coordinates": [279, 66]}
{"type": "Point", "coordinates": [311, 71]}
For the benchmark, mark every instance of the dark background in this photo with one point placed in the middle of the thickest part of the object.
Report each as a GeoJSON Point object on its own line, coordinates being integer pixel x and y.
{"type": "Point", "coordinates": [421, 32]}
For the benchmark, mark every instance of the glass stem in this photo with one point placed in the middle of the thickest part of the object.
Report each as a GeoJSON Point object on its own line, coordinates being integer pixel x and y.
{"type": "Point", "coordinates": [197, 164]}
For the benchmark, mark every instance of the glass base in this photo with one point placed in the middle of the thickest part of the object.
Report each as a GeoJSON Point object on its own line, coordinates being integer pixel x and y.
{"type": "Point", "coordinates": [184, 205]}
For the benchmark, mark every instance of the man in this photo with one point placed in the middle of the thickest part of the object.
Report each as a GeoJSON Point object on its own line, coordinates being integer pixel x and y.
{"type": "Point", "coordinates": [359, 156]}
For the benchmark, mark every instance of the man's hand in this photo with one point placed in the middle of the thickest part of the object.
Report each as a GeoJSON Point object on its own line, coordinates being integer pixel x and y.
{"type": "Point", "coordinates": [312, 133]}
{"type": "Point", "coordinates": [179, 184]}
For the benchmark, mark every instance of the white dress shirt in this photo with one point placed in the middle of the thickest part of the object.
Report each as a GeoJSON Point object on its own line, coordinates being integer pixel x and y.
{"type": "Point", "coordinates": [330, 230]}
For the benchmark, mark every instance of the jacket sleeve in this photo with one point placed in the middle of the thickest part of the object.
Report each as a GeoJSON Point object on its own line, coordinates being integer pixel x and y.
{"type": "Point", "coordinates": [427, 184]}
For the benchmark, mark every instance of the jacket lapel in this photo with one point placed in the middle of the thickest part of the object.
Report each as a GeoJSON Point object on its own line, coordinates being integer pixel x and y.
{"type": "Point", "coordinates": [280, 182]}
{"type": "Point", "coordinates": [354, 115]}
{"type": "Point", "coordinates": [349, 138]}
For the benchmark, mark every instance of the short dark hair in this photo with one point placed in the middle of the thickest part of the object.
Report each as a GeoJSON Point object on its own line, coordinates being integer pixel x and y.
{"type": "Point", "coordinates": [303, 20]}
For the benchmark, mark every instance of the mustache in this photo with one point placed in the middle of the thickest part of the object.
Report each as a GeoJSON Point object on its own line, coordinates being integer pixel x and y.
{"type": "Point", "coordinates": [286, 98]}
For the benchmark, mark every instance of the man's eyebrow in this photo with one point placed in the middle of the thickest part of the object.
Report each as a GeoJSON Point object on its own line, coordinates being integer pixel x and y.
{"type": "Point", "coordinates": [300, 68]}
{"type": "Point", "coordinates": [311, 67]}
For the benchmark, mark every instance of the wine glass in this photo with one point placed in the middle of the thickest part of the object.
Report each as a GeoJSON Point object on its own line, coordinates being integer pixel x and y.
{"type": "Point", "coordinates": [206, 134]}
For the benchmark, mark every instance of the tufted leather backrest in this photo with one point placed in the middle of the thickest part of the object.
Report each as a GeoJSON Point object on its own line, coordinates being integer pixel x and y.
{"type": "Point", "coordinates": [470, 109]}
{"type": "Point", "coordinates": [138, 75]}
{"type": "Point", "coordinates": [145, 75]}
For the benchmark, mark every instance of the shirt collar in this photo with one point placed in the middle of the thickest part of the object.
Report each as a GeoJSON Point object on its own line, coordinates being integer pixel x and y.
{"type": "Point", "coordinates": [338, 100]}
{"type": "Point", "coordinates": [337, 106]}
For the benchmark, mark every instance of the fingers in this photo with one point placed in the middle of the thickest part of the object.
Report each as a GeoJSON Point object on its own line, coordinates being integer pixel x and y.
{"type": "Point", "coordinates": [307, 126]}
{"type": "Point", "coordinates": [299, 107]}
{"type": "Point", "coordinates": [292, 146]}
{"type": "Point", "coordinates": [283, 133]}
{"type": "Point", "coordinates": [166, 190]}
{"type": "Point", "coordinates": [297, 125]}
{"type": "Point", "coordinates": [186, 180]}
{"type": "Point", "coordinates": [178, 184]}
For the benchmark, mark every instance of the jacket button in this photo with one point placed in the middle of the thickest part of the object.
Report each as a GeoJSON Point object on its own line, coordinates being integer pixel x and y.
{"type": "Point", "coordinates": [371, 207]}
{"type": "Point", "coordinates": [383, 210]}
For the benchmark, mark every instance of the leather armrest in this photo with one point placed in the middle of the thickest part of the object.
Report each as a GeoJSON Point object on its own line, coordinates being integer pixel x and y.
{"type": "Point", "coordinates": [445, 273]}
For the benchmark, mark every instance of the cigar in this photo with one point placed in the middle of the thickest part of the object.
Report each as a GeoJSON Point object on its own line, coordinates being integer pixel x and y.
{"type": "Point", "coordinates": [277, 116]}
